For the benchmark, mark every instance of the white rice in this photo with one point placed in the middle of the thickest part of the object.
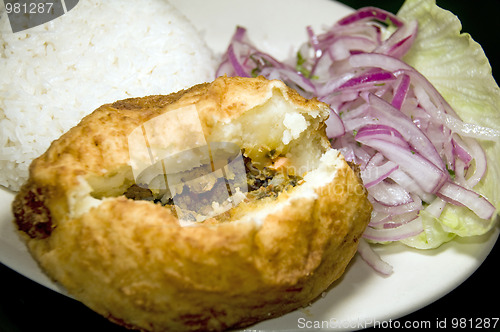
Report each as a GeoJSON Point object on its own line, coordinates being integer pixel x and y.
{"type": "Point", "coordinates": [99, 52]}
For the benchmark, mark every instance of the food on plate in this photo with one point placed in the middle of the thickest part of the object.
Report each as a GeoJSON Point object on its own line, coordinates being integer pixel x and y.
{"type": "Point", "coordinates": [211, 208]}
{"type": "Point", "coordinates": [100, 51]}
{"type": "Point", "coordinates": [414, 104]}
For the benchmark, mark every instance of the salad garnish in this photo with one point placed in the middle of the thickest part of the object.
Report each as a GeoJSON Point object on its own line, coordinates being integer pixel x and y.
{"type": "Point", "coordinates": [426, 170]}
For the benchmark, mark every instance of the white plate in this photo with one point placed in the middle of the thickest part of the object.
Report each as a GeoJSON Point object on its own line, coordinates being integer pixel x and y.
{"type": "Point", "coordinates": [361, 297]}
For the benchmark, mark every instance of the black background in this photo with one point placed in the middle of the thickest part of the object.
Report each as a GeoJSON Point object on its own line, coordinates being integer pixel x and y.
{"type": "Point", "coordinates": [26, 306]}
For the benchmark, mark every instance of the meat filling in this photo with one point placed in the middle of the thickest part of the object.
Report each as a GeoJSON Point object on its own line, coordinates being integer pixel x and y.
{"type": "Point", "coordinates": [268, 181]}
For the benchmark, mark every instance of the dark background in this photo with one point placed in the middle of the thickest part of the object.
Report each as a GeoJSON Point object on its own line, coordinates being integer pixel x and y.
{"type": "Point", "coordinates": [26, 306]}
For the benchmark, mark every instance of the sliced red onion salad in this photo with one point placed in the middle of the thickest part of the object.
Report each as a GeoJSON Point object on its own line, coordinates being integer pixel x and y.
{"type": "Point", "coordinates": [413, 150]}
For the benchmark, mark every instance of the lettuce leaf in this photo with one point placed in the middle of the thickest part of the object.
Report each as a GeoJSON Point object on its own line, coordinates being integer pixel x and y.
{"type": "Point", "coordinates": [457, 66]}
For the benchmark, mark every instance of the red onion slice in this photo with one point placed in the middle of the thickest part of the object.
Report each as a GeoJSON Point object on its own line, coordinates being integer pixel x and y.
{"type": "Point", "coordinates": [370, 78]}
{"type": "Point", "coordinates": [411, 228]}
{"type": "Point", "coordinates": [407, 128]}
{"type": "Point", "coordinates": [238, 68]}
{"type": "Point", "coordinates": [429, 177]}
{"type": "Point", "coordinates": [373, 259]}
{"type": "Point", "coordinates": [460, 150]}
{"type": "Point", "coordinates": [401, 91]}
{"type": "Point", "coordinates": [370, 13]}
{"type": "Point", "coordinates": [458, 195]}
{"type": "Point", "coordinates": [334, 126]}
{"type": "Point", "coordinates": [382, 132]}
{"type": "Point", "coordinates": [371, 175]}
{"type": "Point", "coordinates": [436, 207]}
{"type": "Point", "coordinates": [390, 194]}
{"type": "Point", "coordinates": [395, 210]}
{"type": "Point", "coordinates": [400, 42]}
{"type": "Point", "coordinates": [410, 185]}
{"type": "Point", "coordinates": [479, 157]}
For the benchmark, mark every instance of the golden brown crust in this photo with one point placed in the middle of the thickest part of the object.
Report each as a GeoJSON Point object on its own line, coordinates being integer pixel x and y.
{"type": "Point", "coordinates": [131, 261]}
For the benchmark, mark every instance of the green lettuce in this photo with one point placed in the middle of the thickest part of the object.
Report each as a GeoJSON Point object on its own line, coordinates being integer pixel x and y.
{"type": "Point", "coordinates": [457, 66]}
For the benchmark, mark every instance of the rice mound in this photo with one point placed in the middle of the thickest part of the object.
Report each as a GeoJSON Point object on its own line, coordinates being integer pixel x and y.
{"type": "Point", "coordinates": [99, 52]}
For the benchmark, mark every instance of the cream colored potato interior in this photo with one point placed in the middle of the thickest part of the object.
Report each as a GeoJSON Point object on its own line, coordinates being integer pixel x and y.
{"type": "Point", "coordinates": [277, 128]}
